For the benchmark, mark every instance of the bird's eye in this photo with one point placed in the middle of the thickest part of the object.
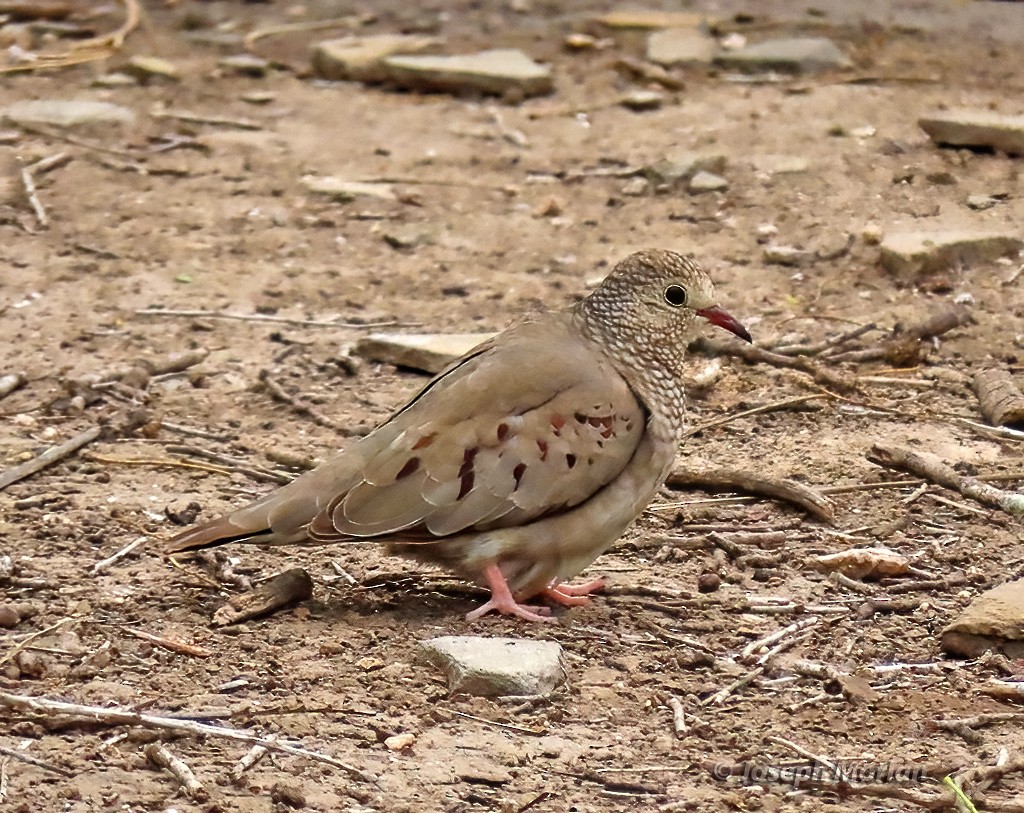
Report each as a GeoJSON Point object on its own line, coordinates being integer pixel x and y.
{"type": "Point", "coordinates": [675, 295]}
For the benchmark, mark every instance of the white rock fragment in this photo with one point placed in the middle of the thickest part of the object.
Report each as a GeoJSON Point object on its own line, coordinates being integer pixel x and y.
{"type": "Point", "coordinates": [346, 191]}
{"type": "Point", "coordinates": [500, 72]}
{"type": "Point", "coordinates": [648, 19]}
{"type": "Point", "coordinates": [976, 128]}
{"type": "Point", "coordinates": [707, 182]}
{"type": "Point", "coordinates": [787, 255]}
{"type": "Point", "coordinates": [361, 59]}
{"type": "Point", "coordinates": [793, 55]}
{"type": "Point", "coordinates": [918, 252]}
{"type": "Point", "coordinates": [780, 164]}
{"type": "Point", "coordinates": [993, 621]}
{"type": "Point", "coordinates": [67, 112]}
{"type": "Point", "coordinates": [429, 352]}
{"type": "Point", "coordinates": [496, 666]}
{"type": "Point", "coordinates": [862, 563]}
{"type": "Point", "coordinates": [681, 46]}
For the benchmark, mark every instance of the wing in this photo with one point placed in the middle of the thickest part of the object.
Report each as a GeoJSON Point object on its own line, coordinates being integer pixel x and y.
{"type": "Point", "coordinates": [529, 425]}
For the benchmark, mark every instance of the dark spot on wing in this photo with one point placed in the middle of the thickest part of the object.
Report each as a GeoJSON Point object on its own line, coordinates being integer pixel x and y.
{"type": "Point", "coordinates": [466, 473]}
{"type": "Point", "coordinates": [410, 466]}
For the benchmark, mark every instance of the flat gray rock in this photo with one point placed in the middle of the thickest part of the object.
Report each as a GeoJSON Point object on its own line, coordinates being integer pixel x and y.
{"type": "Point", "coordinates": [976, 128]}
{"type": "Point", "coordinates": [681, 46]}
{"type": "Point", "coordinates": [345, 191]}
{"type": "Point", "coordinates": [793, 55]}
{"type": "Point", "coordinates": [67, 112]}
{"type": "Point", "coordinates": [361, 59]}
{"type": "Point", "coordinates": [492, 667]}
{"type": "Point", "coordinates": [429, 352]}
{"type": "Point", "coordinates": [707, 182]}
{"type": "Point", "coordinates": [499, 72]}
{"type": "Point", "coordinates": [787, 255]}
{"type": "Point", "coordinates": [993, 621]}
{"type": "Point", "coordinates": [682, 166]}
{"type": "Point", "coordinates": [922, 252]}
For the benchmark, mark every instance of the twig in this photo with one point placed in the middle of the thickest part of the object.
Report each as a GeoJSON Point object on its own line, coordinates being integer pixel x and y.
{"type": "Point", "coordinates": [754, 647]}
{"type": "Point", "coordinates": [172, 644]}
{"type": "Point", "coordinates": [1000, 400]}
{"type": "Point", "coordinates": [103, 564]}
{"type": "Point", "coordinates": [121, 716]}
{"type": "Point", "coordinates": [351, 22]}
{"type": "Point", "coordinates": [262, 317]}
{"type": "Point", "coordinates": [232, 464]}
{"type": "Point", "coordinates": [813, 502]}
{"type": "Point", "coordinates": [33, 198]}
{"type": "Point", "coordinates": [678, 716]}
{"type": "Point", "coordinates": [14, 650]}
{"type": "Point", "coordinates": [198, 118]}
{"type": "Point", "coordinates": [162, 758]}
{"type": "Point", "coordinates": [52, 455]}
{"type": "Point", "coordinates": [752, 354]}
{"type": "Point", "coordinates": [21, 756]}
{"type": "Point", "coordinates": [508, 726]}
{"type": "Point", "coordinates": [249, 759]}
{"type": "Point", "coordinates": [817, 759]}
{"type": "Point", "coordinates": [933, 469]}
{"type": "Point", "coordinates": [905, 346]}
{"type": "Point", "coordinates": [301, 406]}
{"type": "Point", "coordinates": [284, 589]}
{"type": "Point", "coordinates": [786, 403]}
{"type": "Point", "coordinates": [737, 684]}
{"type": "Point", "coordinates": [965, 726]}
{"type": "Point", "coordinates": [827, 344]}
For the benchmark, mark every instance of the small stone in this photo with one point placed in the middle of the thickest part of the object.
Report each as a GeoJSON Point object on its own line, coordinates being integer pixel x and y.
{"type": "Point", "coordinates": [408, 237]}
{"type": "Point", "coordinates": [864, 131]}
{"type": "Point", "coordinates": [245, 65]}
{"type": "Point", "coordinates": [67, 112]}
{"type": "Point", "coordinates": [347, 191]}
{"type": "Point", "coordinates": [645, 19]}
{"type": "Point", "coordinates": [787, 255]}
{"type": "Point", "coordinates": [708, 582]}
{"type": "Point", "coordinates": [288, 795]}
{"type": "Point", "coordinates": [871, 234]}
{"type": "Point", "coordinates": [258, 97]}
{"type": "Point", "coordinates": [993, 621]}
{"type": "Point", "coordinates": [9, 616]}
{"type": "Point", "coordinates": [982, 202]}
{"type": "Point", "coordinates": [400, 742]}
{"type": "Point", "coordinates": [361, 59]}
{"type": "Point", "coordinates": [682, 166]}
{"type": "Point", "coordinates": [863, 563]}
{"type": "Point", "coordinates": [552, 207]}
{"type": "Point", "coordinates": [765, 232]}
{"type": "Point", "coordinates": [707, 182]}
{"type": "Point", "coordinates": [150, 68]}
{"type": "Point", "coordinates": [496, 666]}
{"type": "Point", "coordinates": [941, 178]}
{"type": "Point", "coordinates": [640, 100]}
{"type": "Point", "coordinates": [976, 128]}
{"type": "Point", "coordinates": [917, 252]}
{"type": "Point", "coordinates": [370, 664]}
{"type": "Point", "coordinates": [117, 79]}
{"type": "Point", "coordinates": [499, 72]}
{"type": "Point", "coordinates": [582, 42]}
{"type": "Point", "coordinates": [793, 55]}
{"type": "Point", "coordinates": [780, 164]}
{"type": "Point", "coordinates": [636, 187]}
{"type": "Point", "coordinates": [429, 352]}
{"type": "Point", "coordinates": [681, 46]}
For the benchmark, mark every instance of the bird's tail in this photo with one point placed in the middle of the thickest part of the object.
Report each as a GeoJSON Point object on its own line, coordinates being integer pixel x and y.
{"type": "Point", "coordinates": [213, 533]}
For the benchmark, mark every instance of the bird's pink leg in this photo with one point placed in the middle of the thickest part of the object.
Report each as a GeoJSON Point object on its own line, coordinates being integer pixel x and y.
{"type": "Point", "coordinates": [571, 595]}
{"type": "Point", "coordinates": [502, 601]}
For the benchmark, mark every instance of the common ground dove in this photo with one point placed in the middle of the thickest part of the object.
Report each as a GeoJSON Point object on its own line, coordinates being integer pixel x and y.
{"type": "Point", "coordinates": [522, 461]}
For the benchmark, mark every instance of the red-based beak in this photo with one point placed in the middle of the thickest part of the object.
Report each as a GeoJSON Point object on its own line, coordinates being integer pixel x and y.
{"type": "Point", "coordinates": [717, 316]}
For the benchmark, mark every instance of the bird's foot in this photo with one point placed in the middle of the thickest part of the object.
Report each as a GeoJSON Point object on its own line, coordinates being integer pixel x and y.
{"type": "Point", "coordinates": [503, 602]}
{"type": "Point", "coordinates": [571, 595]}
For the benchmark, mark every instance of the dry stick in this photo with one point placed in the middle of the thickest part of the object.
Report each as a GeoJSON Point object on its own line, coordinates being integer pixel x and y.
{"type": "Point", "coordinates": [1000, 400]}
{"type": "Point", "coordinates": [992, 431]}
{"type": "Point", "coordinates": [763, 643]}
{"type": "Point", "coordinates": [258, 473]}
{"type": "Point", "coordinates": [834, 769]}
{"type": "Point", "coordinates": [678, 716]}
{"type": "Point", "coordinates": [49, 457]}
{"type": "Point", "coordinates": [14, 650]}
{"type": "Point", "coordinates": [827, 344]}
{"type": "Point", "coordinates": [21, 756]}
{"type": "Point", "coordinates": [786, 403]}
{"type": "Point", "coordinates": [752, 354]}
{"type": "Point", "coordinates": [33, 198]}
{"type": "Point", "coordinates": [119, 716]}
{"type": "Point", "coordinates": [262, 317]}
{"type": "Point", "coordinates": [933, 326]}
{"type": "Point", "coordinates": [737, 684]}
{"type": "Point", "coordinates": [172, 644]}
{"type": "Point", "coordinates": [301, 406]}
{"type": "Point", "coordinates": [10, 382]}
{"type": "Point", "coordinates": [162, 758]}
{"type": "Point", "coordinates": [250, 758]}
{"type": "Point", "coordinates": [807, 498]}
{"type": "Point", "coordinates": [103, 564]}
{"type": "Point", "coordinates": [933, 469]}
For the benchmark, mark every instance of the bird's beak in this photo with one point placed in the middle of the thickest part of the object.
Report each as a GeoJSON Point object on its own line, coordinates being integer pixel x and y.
{"type": "Point", "coordinates": [717, 316]}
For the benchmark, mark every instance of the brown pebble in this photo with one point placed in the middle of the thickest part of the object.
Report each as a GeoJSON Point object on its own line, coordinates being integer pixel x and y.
{"type": "Point", "coordinates": [9, 616]}
{"type": "Point", "coordinates": [289, 795]}
{"type": "Point", "coordinates": [708, 582]}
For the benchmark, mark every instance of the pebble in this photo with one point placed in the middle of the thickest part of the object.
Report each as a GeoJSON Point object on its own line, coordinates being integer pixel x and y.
{"type": "Point", "coordinates": [981, 202]}
{"type": "Point", "coordinates": [787, 255]}
{"type": "Point", "coordinates": [994, 620]}
{"type": "Point", "coordinates": [150, 68]}
{"type": "Point", "coordinates": [780, 164]}
{"type": "Point", "coordinates": [707, 182]}
{"type": "Point", "coordinates": [361, 59]}
{"type": "Point", "coordinates": [916, 252]}
{"type": "Point", "coordinates": [346, 191]}
{"type": "Point", "coordinates": [117, 79]}
{"type": "Point", "coordinates": [9, 616]}
{"type": "Point", "coordinates": [792, 55]}
{"type": "Point", "coordinates": [500, 72]}
{"type": "Point", "coordinates": [491, 667]}
{"type": "Point", "coordinates": [245, 65]}
{"type": "Point", "coordinates": [640, 100]}
{"type": "Point", "coordinates": [67, 112]}
{"type": "Point", "coordinates": [635, 187]}
{"type": "Point", "coordinates": [681, 46]}
{"type": "Point", "coordinates": [682, 166]}
{"type": "Point", "coordinates": [976, 128]}
{"type": "Point", "coordinates": [429, 352]}
{"type": "Point", "coordinates": [863, 563]}
{"type": "Point", "coordinates": [646, 19]}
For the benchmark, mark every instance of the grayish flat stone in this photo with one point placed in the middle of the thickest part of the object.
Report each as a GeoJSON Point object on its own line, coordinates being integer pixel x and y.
{"type": "Point", "coordinates": [148, 68]}
{"type": "Point", "coordinates": [787, 255]}
{"type": "Point", "coordinates": [919, 252]}
{"type": "Point", "coordinates": [794, 55]}
{"type": "Point", "coordinates": [497, 72]}
{"type": "Point", "coordinates": [496, 666]}
{"type": "Point", "coordinates": [707, 182]}
{"type": "Point", "coordinates": [67, 112]}
{"type": "Point", "coordinates": [640, 100]}
{"type": "Point", "coordinates": [245, 64]}
{"type": "Point", "coordinates": [681, 46]}
{"type": "Point", "coordinates": [976, 128]}
{"type": "Point", "coordinates": [780, 164]}
{"type": "Point", "coordinates": [430, 352]}
{"type": "Point", "coordinates": [361, 59]}
{"type": "Point", "coordinates": [994, 620]}
{"type": "Point", "coordinates": [346, 191]}
{"type": "Point", "coordinates": [681, 166]}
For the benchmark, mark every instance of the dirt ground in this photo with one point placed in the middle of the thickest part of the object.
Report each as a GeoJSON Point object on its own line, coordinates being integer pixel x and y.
{"type": "Point", "coordinates": [502, 209]}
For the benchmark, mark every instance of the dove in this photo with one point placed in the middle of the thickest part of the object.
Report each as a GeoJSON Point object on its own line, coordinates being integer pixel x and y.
{"type": "Point", "coordinates": [525, 459]}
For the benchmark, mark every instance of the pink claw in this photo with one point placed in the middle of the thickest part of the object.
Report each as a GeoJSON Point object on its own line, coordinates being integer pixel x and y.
{"type": "Point", "coordinates": [571, 595]}
{"type": "Point", "coordinates": [502, 601]}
